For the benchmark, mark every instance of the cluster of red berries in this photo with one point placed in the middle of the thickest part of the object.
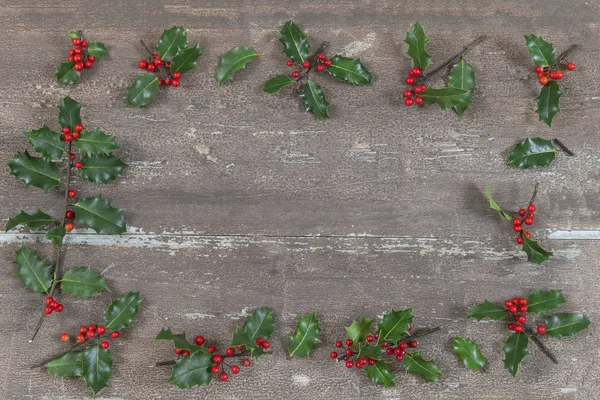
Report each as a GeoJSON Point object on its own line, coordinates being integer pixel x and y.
{"type": "Point", "coordinates": [527, 216]}
{"type": "Point", "coordinates": [519, 306]}
{"type": "Point", "coordinates": [545, 75]}
{"type": "Point", "coordinates": [321, 63]}
{"type": "Point", "coordinates": [80, 56]}
{"type": "Point", "coordinates": [52, 305]}
{"type": "Point", "coordinates": [167, 78]}
{"type": "Point", "coordinates": [89, 332]}
{"type": "Point", "coordinates": [70, 214]}
{"type": "Point", "coordinates": [416, 90]}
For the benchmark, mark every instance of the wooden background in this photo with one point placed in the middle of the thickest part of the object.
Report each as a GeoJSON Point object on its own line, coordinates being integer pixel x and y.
{"type": "Point", "coordinates": [236, 199]}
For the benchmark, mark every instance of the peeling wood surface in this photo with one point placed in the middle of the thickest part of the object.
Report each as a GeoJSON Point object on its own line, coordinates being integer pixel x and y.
{"type": "Point", "coordinates": [236, 199]}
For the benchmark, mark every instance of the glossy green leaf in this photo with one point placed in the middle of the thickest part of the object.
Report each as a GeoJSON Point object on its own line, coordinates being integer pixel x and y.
{"type": "Point", "coordinates": [314, 100]}
{"type": "Point", "coordinates": [274, 85]}
{"type": "Point", "coordinates": [95, 142]}
{"type": "Point", "coordinates": [566, 324]}
{"type": "Point", "coordinates": [532, 153]}
{"type": "Point", "coordinates": [494, 205]}
{"type": "Point", "coordinates": [370, 351]}
{"type": "Point", "coordinates": [487, 310]}
{"type": "Point", "coordinates": [295, 43]}
{"type": "Point", "coordinates": [83, 282]}
{"type": "Point", "coordinates": [33, 270]}
{"type": "Point", "coordinates": [416, 40]}
{"type": "Point", "coordinates": [35, 171]}
{"type": "Point", "coordinates": [97, 49]}
{"type": "Point", "coordinates": [548, 102]}
{"type": "Point", "coordinates": [66, 74]}
{"type": "Point", "coordinates": [261, 323]}
{"type": "Point", "coordinates": [56, 235]}
{"type": "Point", "coordinates": [101, 169]}
{"type": "Point", "coordinates": [241, 338]}
{"type": "Point", "coordinates": [96, 213]}
{"type": "Point", "coordinates": [358, 330]}
{"type": "Point", "coordinates": [394, 325]}
{"type": "Point", "coordinates": [543, 302]}
{"type": "Point", "coordinates": [142, 91]}
{"type": "Point", "coordinates": [349, 70]}
{"type": "Point", "coordinates": [542, 53]}
{"type": "Point", "coordinates": [74, 34]}
{"type": "Point", "coordinates": [67, 365]}
{"type": "Point", "coordinates": [446, 98]}
{"type": "Point", "coordinates": [185, 59]}
{"type": "Point", "coordinates": [414, 363]}
{"type": "Point", "coordinates": [515, 349]}
{"type": "Point", "coordinates": [535, 253]}
{"type": "Point", "coordinates": [97, 367]}
{"type": "Point", "coordinates": [46, 142]}
{"type": "Point", "coordinates": [462, 76]}
{"type": "Point", "coordinates": [69, 113]}
{"type": "Point", "coordinates": [170, 42]}
{"type": "Point", "coordinates": [194, 370]}
{"type": "Point", "coordinates": [380, 374]}
{"type": "Point", "coordinates": [179, 340]}
{"type": "Point", "coordinates": [234, 60]}
{"type": "Point", "coordinates": [32, 221]}
{"type": "Point", "coordinates": [468, 353]}
{"type": "Point", "coordinates": [122, 311]}
{"type": "Point", "coordinates": [306, 336]}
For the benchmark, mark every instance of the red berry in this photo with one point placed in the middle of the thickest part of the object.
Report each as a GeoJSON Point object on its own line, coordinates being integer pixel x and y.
{"type": "Point", "coordinates": [417, 89]}
{"type": "Point", "coordinates": [211, 349]}
{"type": "Point", "coordinates": [570, 67]}
{"type": "Point", "coordinates": [306, 64]}
{"type": "Point", "coordinates": [79, 66]}
{"type": "Point", "coordinates": [59, 308]}
{"type": "Point", "coordinates": [216, 369]}
{"type": "Point", "coordinates": [92, 59]}
{"type": "Point", "coordinates": [543, 80]}
{"type": "Point", "coordinates": [186, 353]}
{"type": "Point", "coordinates": [92, 327]}
{"type": "Point", "coordinates": [519, 240]}
{"type": "Point", "coordinates": [77, 58]}
{"type": "Point", "coordinates": [217, 358]}
{"type": "Point", "coordinates": [115, 334]}
{"type": "Point", "coordinates": [65, 337]}
{"type": "Point", "coordinates": [80, 338]}
{"type": "Point", "coordinates": [158, 62]}
{"type": "Point", "coordinates": [521, 319]}
{"type": "Point", "coordinates": [410, 80]}
{"type": "Point", "coordinates": [400, 357]}
{"type": "Point", "coordinates": [72, 193]}
{"type": "Point", "coordinates": [372, 361]}
{"type": "Point", "coordinates": [199, 340]}
{"type": "Point", "coordinates": [403, 346]}
{"type": "Point", "coordinates": [235, 369]}
{"type": "Point", "coordinates": [522, 212]}
{"type": "Point", "coordinates": [72, 156]}
{"type": "Point", "coordinates": [104, 345]}
{"type": "Point", "coordinates": [552, 75]}
{"type": "Point", "coordinates": [75, 135]}
{"type": "Point", "coordinates": [517, 228]}
{"type": "Point", "coordinates": [339, 343]}
{"type": "Point", "coordinates": [531, 208]}
{"type": "Point", "coordinates": [260, 341]}
{"type": "Point", "coordinates": [508, 303]}
{"type": "Point", "coordinates": [349, 364]}
{"type": "Point", "coordinates": [101, 330]}
{"type": "Point", "coordinates": [523, 301]}
{"type": "Point", "coordinates": [423, 87]}
{"type": "Point", "coordinates": [71, 53]}
{"type": "Point", "coordinates": [531, 215]}
{"type": "Point", "coordinates": [151, 67]}
{"type": "Point", "coordinates": [528, 235]}
{"type": "Point", "coordinates": [240, 347]}
{"type": "Point", "coordinates": [528, 221]}
{"type": "Point", "coordinates": [68, 137]}
{"type": "Point", "coordinates": [559, 75]}
{"type": "Point", "coordinates": [266, 344]}
{"type": "Point", "coordinates": [523, 309]}
{"type": "Point", "coordinates": [419, 100]}
{"type": "Point", "coordinates": [333, 354]}
{"type": "Point", "coordinates": [230, 351]}
{"type": "Point", "coordinates": [349, 352]}
{"type": "Point", "coordinates": [167, 82]}
{"type": "Point", "coordinates": [83, 329]}
{"type": "Point", "coordinates": [516, 221]}
{"type": "Point", "coordinates": [408, 102]}
{"type": "Point", "coordinates": [539, 69]}
{"type": "Point", "coordinates": [541, 329]}
{"type": "Point", "coordinates": [515, 301]}
{"type": "Point", "coordinates": [322, 56]}
{"type": "Point", "coordinates": [53, 304]}
{"type": "Point", "coordinates": [143, 64]}
{"type": "Point", "coordinates": [178, 351]}
{"type": "Point", "coordinates": [175, 83]}
{"type": "Point", "coordinates": [518, 328]}
{"type": "Point", "coordinates": [369, 338]}
{"type": "Point", "coordinates": [176, 75]}
{"type": "Point", "coordinates": [84, 43]}
{"type": "Point", "coordinates": [328, 63]}
{"type": "Point", "coordinates": [389, 351]}
{"type": "Point", "coordinates": [417, 71]}
{"type": "Point", "coordinates": [289, 63]}
{"type": "Point", "coordinates": [78, 164]}
{"type": "Point", "coordinates": [384, 345]}
{"type": "Point", "coordinates": [407, 93]}
{"type": "Point", "coordinates": [512, 309]}
{"type": "Point", "coordinates": [90, 334]}
{"type": "Point", "coordinates": [76, 42]}
{"type": "Point", "coordinates": [541, 74]}
{"type": "Point", "coordinates": [349, 342]}
{"type": "Point", "coordinates": [78, 128]}
{"type": "Point", "coordinates": [320, 67]}
{"type": "Point", "coordinates": [69, 226]}
{"type": "Point", "coordinates": [511, 327]}
{"type": "Point", "coordinates": [48, 310]}
{"type": "Point", "coordinates": [223, 376]}
{"type": "Point", "coordinates": [295, 74]}
{"type": "Point", "coordinates": [70, 58]}
{"type": "Point", "coordinates": [49, 300]}
{"type": "Point", "coordinates": [246, 362]}
{"type": "Point", "coordinates": [413, 344]}
{"type": "Point", "coordinates": [88, 64]}
{"type": "Point", "coordinates": [398, 350]}
{"type": "Point", "coordinates": [66, 130]}
{"type": "Point", "coordinates": [70, 214]}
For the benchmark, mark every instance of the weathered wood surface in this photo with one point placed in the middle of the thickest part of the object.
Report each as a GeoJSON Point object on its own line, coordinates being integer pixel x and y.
{"type": "Point", "coordinates": [236, 199]}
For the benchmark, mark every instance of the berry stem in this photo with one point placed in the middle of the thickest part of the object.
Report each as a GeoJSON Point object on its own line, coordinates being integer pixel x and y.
{"type": "Point", "coordinates": [541, 345]}
{"type": "Point", "coordinates": [563, 147]}
{"type": "Point", "coordinates": [165, 363]}
{"type": "Point", "coordinates": [564, 55]}
{"type": "Point", "coordinates": [162, 69]}
{"type": "Point", "coordinates": [423, 332]}
{"type": "Point", "coordinates": [46, 361]}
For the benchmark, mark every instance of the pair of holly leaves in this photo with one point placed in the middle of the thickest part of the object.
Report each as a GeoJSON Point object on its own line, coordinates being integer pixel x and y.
{"type": "Point", "coordinates": [66, 72]}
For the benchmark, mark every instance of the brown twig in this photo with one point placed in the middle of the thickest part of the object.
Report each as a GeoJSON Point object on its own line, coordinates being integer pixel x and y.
{"type": "Point", "coordinates": [541, 345]}
{"type": "Point", "coordinates": [46, 361]}
{"type": "Point", "coordinates": [423, 332]}
{"type": "Point", "coordinates": [563, 147]}
{"type": "Point", "coordinates": [564, 55]}
{"type": "Point", "coordinates": [162, 69]}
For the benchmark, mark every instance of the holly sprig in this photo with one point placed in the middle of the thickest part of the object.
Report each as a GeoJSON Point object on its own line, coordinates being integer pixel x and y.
{"type": "Point", "coordinates": [535, 152]}
{"type": "Point", "coordinates": [297, 48]}
{"type": "Point", "coordinates": [82, 56]}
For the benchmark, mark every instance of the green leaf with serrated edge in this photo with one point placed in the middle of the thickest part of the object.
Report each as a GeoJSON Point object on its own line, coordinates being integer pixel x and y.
{"type": "Point", "coordinates": [101, 169]}
{"type": "Point", "coordinates": [69, 113]}
{"type": "Point", "coordinates": [241, 338]}
{"type": "Point", "coordinates": [462, 76]}
{"type": "Point", "coordinates": [83, 282]}
{"type": "Point", "coordinates": [295, 43]}
{"type": "Point", "coordinates": [532, 153]}
{"type": "Point", "coordinates": [274, 85]}
{"type": "Point", "coordinates": [35, 171]}
{"type": "Point", "coordinates": [96, 213]}
{"type": "Point", "coordinates": [67, 365]}
{"type": "Point", "coordinates": [468, 352]}
{"type": "Point", "coordinates": [380, 374]}
{"type": "Point", "coordinates": [542, 53]}
{"type": "Point", "coordinates": [32, 221]}
{"type": "Point", "coordinates": [194, 370]}
{"type": "Point", "coordinates": [515, 349]}
{"type": "Point", "coordinates": [97, 49]}
{"type": "Point", "coordinates": [179, 341]}
{"type": "Point", "coordinates": [142, 91]}
{"type": "Point", "coordinates": [74, 35]}
{"type": "Point", "coordinates": [122, 311]}
{"type": "Point", "coordinates": [367, 350]}
{"type": "Point", "coordinates": [97, 367]}
{"type": "Point", "coordinates": [548, 102]}
{"type": "Point", "coordinates": [185, 59]}
{"type": "Point", "coordinates": [416, 40]}
{"type": "Point", "coordinates": [314, 100]}
{"type": "Point", "coordinates": [566, 324]}
{"type": "Point", "coordinates": [543, 302]}
{"type": "Point", "coordinates": [56, 235]}
{"type": "Point", "coordinates": [358, 330]}
{"type": "Point", "coordinates": [494, 205]}
{"type": "Point", "coordinates": [446, 98]}
{"type": "Point", "coordinates": [394, 325]}
{"type": "Point", "coordinates": [306, 336]}
{"type": "Point", "coordinates": [414, 363]}
{"type": "Point", "coordinates": [33, 270]}
{"type": "Point", "coordinates": [234, 60]}
{"type": "Point", "coordinates": [349, 70]}
{"type": "Point", "coordinates": [535, 253]}
{"type": "Point", "coordinates": [170, 42]}
{"type": "Point", "coordinates": [95, 142]}
{"type": "Point", "coordinates": [260, 323]}
{"type": "Point", "coordinates": [487, 310]}
{"type": "Point", "coordinates": [66, 74]}
{"type": "Point", "coordinates": [46, 142]}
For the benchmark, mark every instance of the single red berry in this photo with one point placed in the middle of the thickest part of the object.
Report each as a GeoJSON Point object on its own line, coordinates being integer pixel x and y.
{"type": "Point", "coordinates": [115, 334]}
{"type": "Point", "coordinates": [72, 193]}
{"type": "Point", "coordinates": [92, 59]}
{"type": "Point", "coordinates": [49, 300]}
{"type": "Point", "coordinates": [59, 308]}
{"type": "Point", "coordinates": [71, 52]}
{"type": "Point", "coordinates": [398, 350]}
{"type": "Point", "coordinates": [83, 329]}
{"type": "Point", "coordinates": [48, 310]}
{"type": "Point", "coordinates": [376, 336]}
{"type": "Point", "coordinates": [92, 327]}
{"type": "Point", "coordinates": [516, 221]}
{"type": "Point", "coordinates": [519, 240]}
{"type": "Point", "coordinates": [167, 82]}
{"type": "Point", "coordinates": [223, 376]}
{"type": "Point", "coordinates": [541, 329]}
{"type": "Point", "coordinates": [423, 87]}
{"type": "Point", "coordinates": [517, 228]}
{"type": "Point", "coordinates": [511, 327]}
{"type": "Point", "coordinates": [320, 67]}
{"type": "Point", "coordinates": [77, 58]}
{"type": "Point", "coordinates": [407, 93]}
{"type": "Point", "coordinates": [523, 309]}
{"type": "Point", "coordinates": [417, 89]}
{"type": "Point", "coordinates": [543, 80]}
{"type": "Point", "coordinates": [217, 358]}
{"type": "Point", "coordinates": [151, 67]}
{"type": "Point", "coordinates": [80, 338]}
{"type": "Point", "coordinates": [143, 64]}
{"type": "Point", "coordinates": [53, 304]}
{"type": "Point", "coordinates": [104, 344]}
{"type": "Point", "coordinates": [521, 319]}
{"type": "Point", "coordinates": [419, 100]}
{"type": "Point", "coordinates": [372, 361]}
{"type": "Point", "coordinates": [349, 342]}
{"type": "Point", "coordinates": [522, 212]}
{"type": "Point", "coordinates": [69, 214]}
{"type": "Point", "coordinates": [176, 75]}
{"type": "Point", "coordinates": [322, 56]}
{"type": "Point", "coordinates": [306, 64]}
{"type": "Point", "coordinates": [90, 334]}
{"type": "Point", "coordinates": [384, 345]}
{"type": "Point", "coordinates": [259, 341]}
{"type": "Point", "coordinates": [88, 64]}
{"type": "Point", "coordinates": [70, 58]}
{"type": "Point", "coordinates": [79, 66]}
{"type": "Point", "coordinates": [508, 303]}
{"type": "Point", "coordinates": [101, 330]}
{"type": "Point", "coordinates": [69, 226]}
{"type": "Point", "coordinates": [539, 69]}
{"type": "Point", "coordinates": [186, 353]}
{"type": "Point", "coordinates": [240, 347]}
{"type": "Point", "coordinates": [515, 301]}
{"type": "Point", "coordinates": [389, 351]}
{"type": "Point", "coordinates": [328, 63]}
{"type": "Point", "coordinates": [531, 208]}
{"type": "Point", "coordinates": [76, 42]}
{"type": "Point", "coordinates": [349, 364]}
{"type": "Point", "coordinates": [75, 135]}
{"type": "Point", "coordinates": [333, 354]}
{"type": "Point", "coordinates": [570, 67]}
{"type": "Point", "coordinates": [410, 80]}
{"type": "Point", "coordinates": [523, 301]}
{"type": "Point", "coordinates": [78, 164]}
{"type": "Point", "coordinates": [215, 369]}
{"type": "Point", "coordinates": [369, 338]}
{"type": "Point", "coordinates": [84, 43]}
{"type": "Point", "coordinates": [68, 137]}
{"type": "Point", "coordinates": [552, 75]}
{"type": "Point", "coordinates": [235, 369]}
{"type": "Point", "coordinates": [413, 344]}
{"type": "Point", "coordinates": [528, 221]}
{"type": "Point", "coordinates": [289, 63]}
{"type": "Point", "coordinates": [518, 328]}
{"type": "Point", "coordinates": [266, 344]}
{"type": "Point", "coordinates": [211, 349]}
{"type": "Point", "coordinates": [199, 340]}
{"type": "Point", "coordinates": [531, 215]}
{"type": "Point", "coordinates": [66, 130]}
{"type": "Point", "coordinates": [559, 75]}
{"type": "Point", "coordinates": [78, 128]}
{"type": "Point", "coordinates": [77, 51]}
{"type": "Point", "coordinates": [295, 74]}
{"type": "Point", "coordinates": [403, 346]}
{"type": "Point", "coordinates": [158, 62]}
{"type": "Point", "coordinates": [230, 351]}
{"type": "Point", "coordinates": [512, 309]}
{"type": "Point", "coordinates": [178, 351]}
{"type": "Point", "coordinates": [339, 343]}
{"type": "Point", "coordinates": [540, 74]}
{"type": "Point", "coordinates": [408, 102]}
{"type": "Point", "coordinates": [72, 156]}
{"type": "Point", "coordinates": [349, 352]}
{"type": "Point", "coordinates": [246, 362]}
{"type": "Point", "coordinates": [400, 357]}
{"type": "Point", "coordinates": [65, 337]}
{"type": "Point", "coordinates": [175, 83]}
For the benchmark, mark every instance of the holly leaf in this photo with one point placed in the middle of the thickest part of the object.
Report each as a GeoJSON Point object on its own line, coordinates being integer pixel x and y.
{"type": "Point", "coordinates": [33, 270]}
{"type": "Point", "coordinates": [447, 97]}
{"type": "Point", "coordinates": [95, 142]}
{"type": "Point", "coordinates": [234, 60]}
{"type": "Point", "coordinates": [358, 330]}
{"type": "Point", "coordinates": [566, 324]}
{"type": "Point", "coordinates": [494, 205]}
{"type": "Point", "coordinates": [542, 53]}
{"type": "Point", "coordinates": [314, 100]}
{"type": "Point", "coordinates": [548, 102]}
{"type": "Point", "coordinates": [179, 341]}
{"type": "Point", "coordinates": [394, 325]}
{"type": "Point", "coordinates": [535, 253]}
{"type": "Point", "coordinates": [185, 59]}
{"type": "Point", "coordinates": [122, 311]}
{"type": "Point", "coordinates": [414, 363]}
{"type": "Point", "coordinates": [367, 350]}
{"type": "Point", "coordinates": [170, 42]}
{"type": "Point", "coordinates": [532, 153]}
{"type": "Point", "coordinates": [487, 310]}
{"type": "Point", "coordinates": [241, 338]}
{"type": "Point", "coordinates": [66, 74]}
{"type": "Point", "coordinates": [295, 43]}
{"type": "Point", "coordinates": [416, 40]}
{"type": "Point", "coordinates": [56, 235]}
{"type": "Point", "coordinates": [74, 35]}
{"type": "Point", "coordinates": [515, 349]}
{"type": "Point", "coordinates": [46, 142]}
{"type": "Point", "coordinates": [380, 374]}
{"type": "Point", "coordinates": [274, 85]}
{"type": "Point", "coordinates": [192, 370]}
{"type": "Point", "coordinates": [35, 171]}
{"type": "Point", "coordinates": [142, 91]}
{"type": "Point", "coordinates": [83, 282]}
{"type": "Point", "coordinates": [96, 213]}
{"type": "Point", "coordinates": [101, 169]}
{"type": "Point", "coordinates": [462, 76]}
{"type": "Point", "coordinates": [97, 49]}
{"type": "Point", "coordinates": [349, 70]}
{"type": "Point", "coordinates": [260, 323]}
{"type": "Point", "coordinates": [69, 113]}
{"type": "Point", "coordinates": [97, 367]}
{"type": "Point", "coordinates": [32, 221]}
{"type": "Point", "coordinates": [542, 302]}
{"type": "Point", "coordinates": [468, 352]}
{"type": "Point", "coordinates": [306, 336]}
{"type": "Point", "coordinates": [69, 364]}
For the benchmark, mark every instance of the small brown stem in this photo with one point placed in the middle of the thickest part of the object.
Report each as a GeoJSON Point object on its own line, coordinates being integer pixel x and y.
{"type": "Point", "coordinates": [541, 345]}
{"type": "Point", "coordinates": [423, 332]}
{"type": "Point", "coordinates": [165, 363]}
{"type": "Point", "coordinates": [46, 361]}
{"type": "Point", "coordinates": [564, 55]}
{"type": "Point", "coordinates": [563, 147]}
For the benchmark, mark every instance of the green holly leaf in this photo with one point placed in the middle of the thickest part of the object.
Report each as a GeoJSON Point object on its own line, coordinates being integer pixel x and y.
{"type": "Point", "coordinates": [414, 363]}
{"type": "Point", "coordinates": [295, 43]}
{"type": "Point", "coordinates": [487, 310]}
{"type": "Point", "coordinates": [192, 370]}
{"type": "Point", "coordinates": [241, 338]}
{"type": "Point", "coordinates": [535, 253]}
{"type": "Point", "coordinates": [394, 325]}
{"type": "Point", "coordinates": [548, 102]}
{"type": "Point", "coordinates": [306, 336]}
{"type": "Point", "coordinates": [234, 60]}
{"type": "Point", "coordinates": [74, 35]}
{"type": "Point", "coordinates": [35, 171]}
{"type": "Point", "coordinates": [69, 365]}
{"type": "Point", "coordinates": [260, 323]}
{"type": "Point", "coordinates": [447, 97]}
{"type": "Point", "coordinates": [532, 153]}
{"type": "Point", "coordinates": [32, 221]}
{"type": "Point", "coordinates": [367, 350]}
{"type": "Point", "coordinates": [96, 213]}
{"type": "Point", "coordinates": [185, 59]}
{"type": "Point", "coordinates": [179, 341]}
{"type": "Point", "coordinates": [542, 302]}
{"type": "Point", "coordinates": [274, 85]}
{"type": "Point", "coordinates": [468, 352]}
{"type": "Point", "coordinates": [170, 42]}
{"type": "Point", "coordinates": [66, 74]}
{"type": "Point", "coordinates": [314, 100]}
{"type": "Point", "coordinates": [542, 53]}
{"type": "Point", "coordinates": [83, 282]}
{"type": "Point", "coordinates": [359, 330]}
{"type": "Point", "coordinates": [416, 40]}
{"type": "Point", "coordinates": [380, 374]}
{"type": "Point", "coordinates": [494, 205]}
{"type": "Point", "coordinates": [349, 70]}
{"type": "Point", "coordinates": [101, 169]}
{"type": "Point", "coordinates": [566, 324]}
{"type": "Point", "coordinates": [97, 49]}
{"type": "Point", "coordinates": [462, 76]}
{"type": "Point", "coordinates": [95, 142]}
{"type": "Point", "coordinates": [56, 235]}
{"type": "Point", "coordinates": [46, 142]}
{"type": "Point", "coordinates": [33, 270]}
{"type": "Point", "coordinates": [69, 113]}
{"type": "Point", "coordinates": [122, 311]}
{"type": "Point", "coordinates": [97, 367]}
{"type": "Point", "coordinates": [515, 349]}
{"type": "Point", "coordinates": [142, 91]}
